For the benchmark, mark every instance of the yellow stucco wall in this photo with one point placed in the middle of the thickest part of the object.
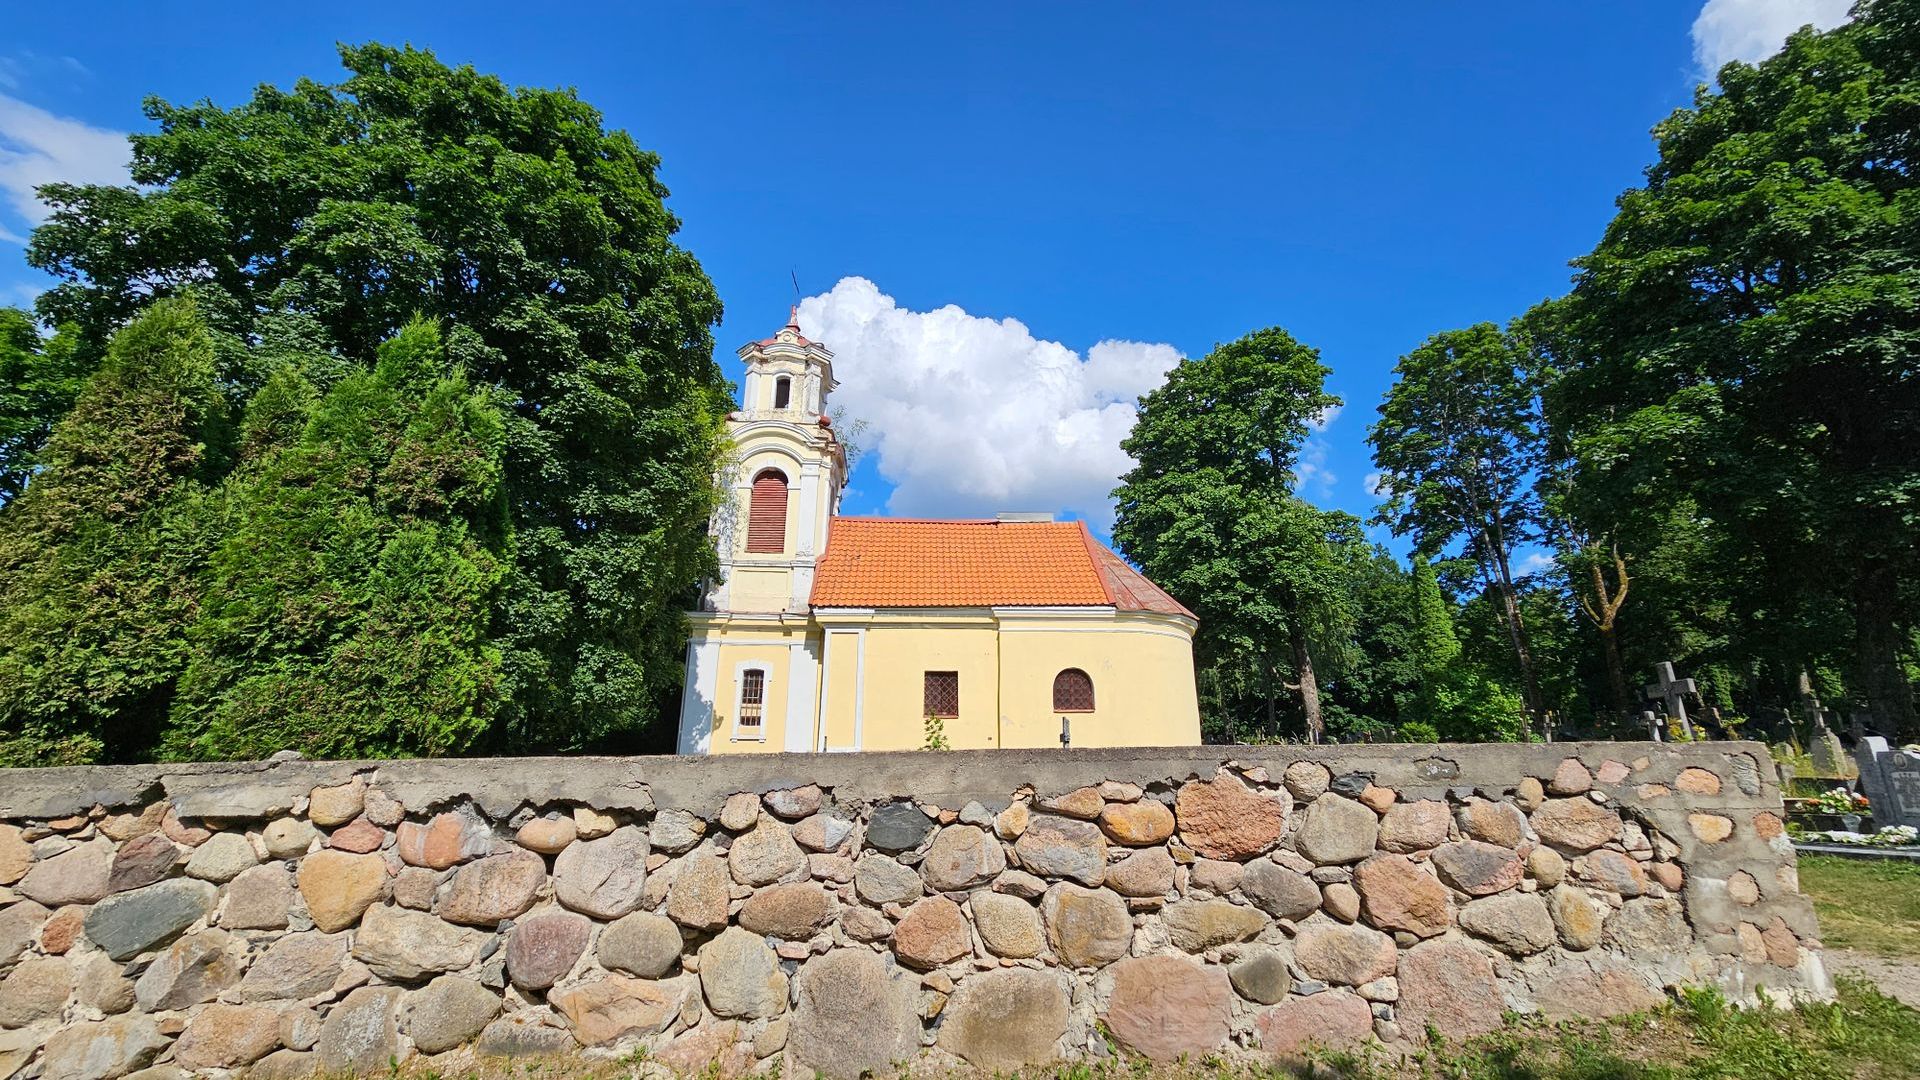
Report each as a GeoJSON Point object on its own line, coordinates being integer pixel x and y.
{"type": "Point", "coordinates": [1142, 671]}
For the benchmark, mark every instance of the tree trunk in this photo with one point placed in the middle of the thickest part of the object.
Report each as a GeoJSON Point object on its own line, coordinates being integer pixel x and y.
{"type": "Point", "coordinates": [1616, 671]}
{"type": "Point", "coordinates": [1516, 627]}
{"type": "Point", "coordinates": [1309, 684]}
{"type": "Point", "coordinates": [1266, 672]}
{"type": "Point", "coordinates": [1876, 650]}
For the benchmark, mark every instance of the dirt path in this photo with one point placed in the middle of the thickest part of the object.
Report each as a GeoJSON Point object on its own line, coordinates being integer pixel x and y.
{"type": "Point", "coordinates": [1896, 977]}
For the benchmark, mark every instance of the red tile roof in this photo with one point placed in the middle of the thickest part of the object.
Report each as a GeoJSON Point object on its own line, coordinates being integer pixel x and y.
{"type": "Point", "coordinates": [906, 562]}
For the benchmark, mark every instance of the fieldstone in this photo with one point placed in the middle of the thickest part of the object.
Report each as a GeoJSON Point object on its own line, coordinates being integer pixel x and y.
{"type": "Point", "coordinates": [450, 1011]}
{"type": "Point", "coordinates": [1547, 866]}
{"type": "Point", "coordinates": [331, 807]}
{"type": "Point", "coordinates": [865, 924]}
{"type": "Point", "coordinates": [741, 977]}
{"type": "Point", "coordinates": [1278, 891]}
{"type": "Point", "coordinates": [1058, 847]}
{"type": "Point", "coordinates": [414, 886]}
{"type": "Point", "coordinates": [1517, 924]}
{"type": "Point", "coordinates": [383, 809]}
{"type": "Point", "coordinates": [793, 912]}
{"type": "Point", "coordinates": [224, 1036]}
{"type": "Point", "coordinates": [766, 854]}
{"type": "Point", "coordinates": [1020, 883]}
{"type": "Point", "coordinates": [822, 832]}
{"type": "Point", "coordinates": [181, 831]}
{"type": "Point", "coordinates": [835, 868]}
{"type": "Point", "coordinates": [102, 985]}
{"type": "Point", "coordinates": [295, 966]}
{"type": "Point", "coordinates": [542, 949]}
{"type": "Point", "coordinates": [1261, 975]}
{"type": "Point", "coordinates": [1137, 824]}
{"type": "Point", "coordinates": [359, 836]}
{"type": "Point", "coordinates": [604, 878]}
{"type": "Point", "coordinates": [1143, 873]}
{"type": "Point", "coordinates": [897, 826]}
{"type": "Point", "coordinates": [1578, 917]}
{"type": "Point", "coordinates": [195, 969]}
{"type": "Point", "coordinates": [35, 990]}
{"type": "Point", "coordinates": [1595, 994]}
{"type": "Point", "coordinates": [1005, 1020]}
{"type": "Point", "coordinates": [528, 1033]}
{"type": "Point", "coordinates": [1671, 877]}
{"type": "Point", "coordinates": [59, 933]}
{"type": "Point", "coordinates": [1198, 925]}
{"type": "Point", "coordinates": [258, 899]}
{"type": "Point", "coordinates": [932, 933]}
{"type": "Point", "coordinates": [1570, 778]}
{"type": "Point", "coordinates": [1341, 901]}
{"type": "Point", "coordinates": [1395, 894]}
{"type": "Point", "coordinates": [1215, 875]}
{"type": "Point", "coordinates": [1611, 871]}
{"type": "Point", "coordinates": [880, 880]}
{"type": "Point", "coordinates": [1377, 799]}
{"type": "Point", "coordinates": [1008, 824]}
{"type": "Point", "coordinates": [1084, 803]}
{"type": "Point", "coordinates": [1697, 781]}
{"type": "Point", "coordinates": [1164, 1007]}
{"type": "Point", "coordinates": [1306, 780]}
{"type": "Point", "coordinates": [1449, 986]}
{"type": "Point", "coordinates": [445, 840]}
{"type": "Point", "coordinates": [675, 832]}
{"type": "Point", "coordinates": [288, 837]}
{"type": "Point", "coordinates": [1414, 826]}
{"type": "Point", "coordinates": [127, 924]}
{"type": "Point", "coordinates": [1086, 927]}
{"type": "Point", "coordinates": [642, 944]}
{"type": "Point", "coordinates": [1575, 824]}
{"type": "Point", "coordinates": [1222, 818]}
{"type": "Point", "coordinates": [742, 809]}
{"type": "Point", "coordinates": [712, 1051]}
{"type": "Point", "coordinates": [1331, 1021]}
{"type": "Point", "coordinates": [701, 891]}
{"type": "Point", "coordinates": [76, 876]}
{"type": "Point", "coordinates": [1336, 830]}
{"type": "Point", "coordinates": [1343, 955]}
{"type": "Point", "coordinates": [1647, 926]}
{"type": "Point", "coordinates": [408, 946]}
{"type": "Point", "coordinates": [1711, 828]}
{"type": "Point", "coordinates": [1478, 869]}
{"type": "Point", "coordinates": [1497, 823]}
{"type": "Point", "coordinates": [222, 858]}
{"type": "Point", "coordinates": [1008, 925]}
{"type": "Point", "coordinates": [360, 1034]}
{"type": "Point", "coordinates": [101, 1050]}
{"type": "Point", "coordinates": [285, 1065]}
{"type": "Point", "coordinates": [500, 887]}
{"type": "Point", "coordinates": [854, 1014]}
{"type": "Point", "coordinates": [16, 855]}
{"type": "Point", "coordinates": [794, 803]}
{"type": "Point", "coordinates": [339, 887]}
{"type": "Point", "coordinates": [1742, 888]}
{"type": "Point", "coordinates": [142, 861]}
{"type": "Point", "coordinates": [591, 824]}
{"type": "Point", "coordinates": [962, 857]}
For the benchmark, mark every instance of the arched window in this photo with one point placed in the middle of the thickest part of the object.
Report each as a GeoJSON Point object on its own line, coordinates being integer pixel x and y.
{"type": "Point", "coordinates": [782, 392]}
{"type": "Point", "coordinates": [767, 514]}
{"type": "Point", "coordinates": [1072, 691]}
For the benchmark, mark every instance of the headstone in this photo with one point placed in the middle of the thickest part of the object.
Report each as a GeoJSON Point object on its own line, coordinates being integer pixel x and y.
{"type": "Point", "coordinates": [1829, 757]}
{"type": "Point", "coordinates": [1674, 693]}
{"type": "Point", "coordinates": [1654, 725]}
{"type": "Point", "coordinates": [1891, 778]}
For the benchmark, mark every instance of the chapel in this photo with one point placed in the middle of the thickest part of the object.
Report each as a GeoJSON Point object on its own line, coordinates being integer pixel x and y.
{"type": "Point", "coordinates": [824, 633]}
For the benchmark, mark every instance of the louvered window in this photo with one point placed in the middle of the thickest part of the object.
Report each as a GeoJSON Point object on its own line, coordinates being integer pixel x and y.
{"type": "Point", "coordinates": [942, 695]}
{"type": "Point", "coordinates": [753, 699]}
{"type": "Point", "coordinates": [1072, 691]}
{"type": "Point", "coordinates": [767, 514]}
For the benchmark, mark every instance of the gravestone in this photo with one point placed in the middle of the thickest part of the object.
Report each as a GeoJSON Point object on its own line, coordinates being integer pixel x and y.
{"type": "Point", "coordinates": [1829, 757]}
{"type": "Point", "coordinates": [1673, 692]}
{"type": "Point", "coordinates": [1891, 777]}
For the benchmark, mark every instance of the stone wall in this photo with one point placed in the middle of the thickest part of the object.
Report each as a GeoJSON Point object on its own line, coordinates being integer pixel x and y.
{"type": "Point", "coordinates": [843, 913]}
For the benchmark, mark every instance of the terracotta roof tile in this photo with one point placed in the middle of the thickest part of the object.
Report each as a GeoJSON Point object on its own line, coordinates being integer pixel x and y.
{"type": "Point", "coordinates": [906, 562]}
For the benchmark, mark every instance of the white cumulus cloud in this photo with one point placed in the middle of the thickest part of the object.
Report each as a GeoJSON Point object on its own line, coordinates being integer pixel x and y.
{"type": "Point", "coordinates": [970, 415]}
{"type": "Point", "coordinates": [37, 147]}
{"type": "Point", "coordinates": [1753, 30]}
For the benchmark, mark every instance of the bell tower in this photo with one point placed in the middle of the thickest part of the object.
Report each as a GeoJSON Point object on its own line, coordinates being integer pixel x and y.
{"type": "Point", "coordinates": [785, 477]}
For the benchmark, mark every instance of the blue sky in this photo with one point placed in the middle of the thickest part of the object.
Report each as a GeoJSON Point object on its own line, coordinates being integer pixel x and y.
{"type": "Point", "coordinates": [976, 197]}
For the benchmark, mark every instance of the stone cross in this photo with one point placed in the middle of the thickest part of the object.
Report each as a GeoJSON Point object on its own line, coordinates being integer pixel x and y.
{"type": "Point", "coordinates": [1674, 692]}
{"type": "Point", "coordinates": [1654, 725]}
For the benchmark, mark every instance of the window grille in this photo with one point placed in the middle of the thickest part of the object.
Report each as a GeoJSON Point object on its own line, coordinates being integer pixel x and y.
{"type": "Point", "coordinates": [1072, 691]}
{"type": "Point", "coordinates": [753, 699]}
{"type": "Point", "coordinates": [942, 696]}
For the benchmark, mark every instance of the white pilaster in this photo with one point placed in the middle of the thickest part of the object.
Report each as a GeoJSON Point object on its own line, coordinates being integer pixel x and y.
{"type": "Point", "coordinates": [697, 697]}
{"type": "Point", "coordinates": [803, 670]}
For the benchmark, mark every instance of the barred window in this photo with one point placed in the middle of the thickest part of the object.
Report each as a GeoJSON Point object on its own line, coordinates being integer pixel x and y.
{"type": "Point", "coordinates": [942, 695]}
{"type": "Point", "coordinates": [1072, 691]}
{"type": "Point", "coordinates": [753, 699]}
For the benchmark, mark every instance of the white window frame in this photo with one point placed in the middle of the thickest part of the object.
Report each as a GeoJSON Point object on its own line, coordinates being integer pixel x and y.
{"type": "Point", "coordinates": [736, 731]}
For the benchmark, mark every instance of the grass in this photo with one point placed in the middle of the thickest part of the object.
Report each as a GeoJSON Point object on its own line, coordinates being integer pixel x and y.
{"type": "Point", "coordinates": [1867, 904]}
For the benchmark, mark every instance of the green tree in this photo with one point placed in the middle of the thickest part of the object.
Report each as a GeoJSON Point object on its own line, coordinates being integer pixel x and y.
{"type": "Point", "coordinates": [99, 556]}
{"type": "Point", "coordinates": [1743, 337]}
{"type": "Point", "coordinates": [345, 613]}
{"type": "Point", "coordinates": [329, 216]}
{"type": "Point", "coordinates": [1453, 698]}
{"type": "Point", "coordinates": [1458, 444]}
{"type": "Point", "coordinates": [39, 380]}
{"type": "Point", "coordinates": [1209, 512]}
